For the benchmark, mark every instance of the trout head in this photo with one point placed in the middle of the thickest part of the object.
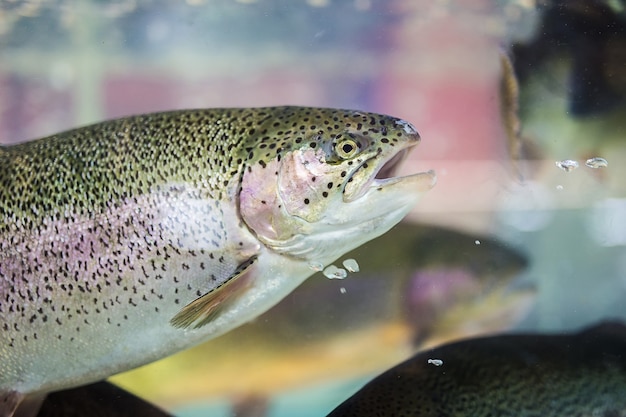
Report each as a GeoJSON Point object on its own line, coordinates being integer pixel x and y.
{"type": "Point", "coordinates": [322, 182]}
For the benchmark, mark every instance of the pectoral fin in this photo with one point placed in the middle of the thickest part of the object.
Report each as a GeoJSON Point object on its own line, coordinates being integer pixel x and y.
{"type": "Point", "coordinates": [14, 404]}
{"type": "Point", "coordinates": [207, 307]}
{"type": "Point", "coordinates": [9, 402]}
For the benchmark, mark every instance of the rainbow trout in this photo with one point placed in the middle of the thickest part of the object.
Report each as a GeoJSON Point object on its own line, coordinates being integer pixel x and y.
{"type": "Point", "coordinates": [129, 240]}
{"type": "Point", "coordinates": [581, 374]}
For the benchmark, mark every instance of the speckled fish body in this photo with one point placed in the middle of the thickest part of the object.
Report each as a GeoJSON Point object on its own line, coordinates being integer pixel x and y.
{"type": "Point", "coordinates": [581, 374]}
{"type": "Point", "coordinates": [128, 240]}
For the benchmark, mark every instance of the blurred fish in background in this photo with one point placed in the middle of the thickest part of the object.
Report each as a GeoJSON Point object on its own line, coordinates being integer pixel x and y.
{"type": "Point", "coordinates": [572, 84]}
{"type": "Point", "coordinates": [557, 375]}
{"type": "Point", "coordinates": [415, 292]}
{"type": "Point", "coordinates": [590, 35]}
{"type": "Point", "coordinates": [569, 209]}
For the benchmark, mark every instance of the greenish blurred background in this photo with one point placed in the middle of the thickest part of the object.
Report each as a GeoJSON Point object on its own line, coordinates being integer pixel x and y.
{"type": "Point", "coordinates": [506, 240]}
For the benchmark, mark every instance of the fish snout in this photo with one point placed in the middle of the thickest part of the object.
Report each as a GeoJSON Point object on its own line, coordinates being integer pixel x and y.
{"type": "Point", "coordinates": [410, 130]}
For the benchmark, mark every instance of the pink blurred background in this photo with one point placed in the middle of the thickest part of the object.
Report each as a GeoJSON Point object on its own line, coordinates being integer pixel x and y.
{"type": "Point", "coordinates": [435, 64]}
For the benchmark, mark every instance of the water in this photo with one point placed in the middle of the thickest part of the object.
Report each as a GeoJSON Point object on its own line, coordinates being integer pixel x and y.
{"type": "Point", "coordinates": [435, 64]}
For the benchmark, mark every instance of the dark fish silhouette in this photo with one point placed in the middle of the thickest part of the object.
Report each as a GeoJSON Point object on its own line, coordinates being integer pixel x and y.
{"type": "Point", "coordinates": [579, 374]}
{"type": "Point", "coordinates": [101, 399]}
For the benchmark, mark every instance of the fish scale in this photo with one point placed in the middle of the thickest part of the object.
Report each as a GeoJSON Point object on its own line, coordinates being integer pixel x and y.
{"type": "Point", "coordinates": [128, 240]}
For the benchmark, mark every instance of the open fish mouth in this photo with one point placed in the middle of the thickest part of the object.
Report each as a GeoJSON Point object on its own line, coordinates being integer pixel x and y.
{"type": "Point", "coordinates": [378, 172]}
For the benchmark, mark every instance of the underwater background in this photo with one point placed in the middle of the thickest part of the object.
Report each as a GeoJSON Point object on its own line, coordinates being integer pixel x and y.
{"type": "Point", "coordinates": [525, 230]}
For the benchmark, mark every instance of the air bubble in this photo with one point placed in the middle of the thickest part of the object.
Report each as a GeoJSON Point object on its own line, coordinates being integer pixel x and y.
{"type": "Point", "coordinates": [351, 265]}
{"type": "Point", "coordinates": [596, 162]}
{"type": "Point", "coordinates": [316, 266]}
{"type": "Point", "coordinates": [332, 272]}
{"type": "Point", "coordinates": [342, 290]}
{"type": "Point", "coordinates": [567, 165]}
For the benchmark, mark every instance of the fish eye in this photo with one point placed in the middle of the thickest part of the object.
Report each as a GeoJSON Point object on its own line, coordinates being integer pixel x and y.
{"type": "Point", "coordinates": [346, 148]}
